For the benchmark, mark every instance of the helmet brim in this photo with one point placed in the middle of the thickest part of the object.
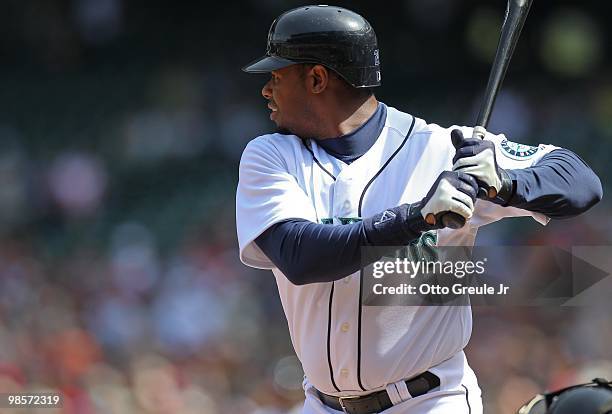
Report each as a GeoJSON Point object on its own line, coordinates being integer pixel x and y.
{"type": "Point", "coordinates": [267, 64]}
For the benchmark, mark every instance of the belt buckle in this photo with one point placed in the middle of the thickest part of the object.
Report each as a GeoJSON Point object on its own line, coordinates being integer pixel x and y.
{"type": "Point", "coordinates": [341, 401]}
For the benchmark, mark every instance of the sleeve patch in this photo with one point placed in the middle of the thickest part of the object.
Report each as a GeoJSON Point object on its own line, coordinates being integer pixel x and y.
{"type": "Point", "coordinates": [516, 151]}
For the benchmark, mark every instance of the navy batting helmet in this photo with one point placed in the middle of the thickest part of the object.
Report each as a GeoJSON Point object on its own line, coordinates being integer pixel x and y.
{"type": "Point", "coordinates": [331, 36]}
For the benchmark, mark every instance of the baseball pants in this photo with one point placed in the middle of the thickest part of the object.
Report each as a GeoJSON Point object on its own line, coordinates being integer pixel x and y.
{"type": "Point", "coordinates": [458, 393]}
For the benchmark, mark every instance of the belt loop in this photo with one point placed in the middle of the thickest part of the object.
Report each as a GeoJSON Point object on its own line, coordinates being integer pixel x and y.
{"type": "Point", "coordinates": [393, 393]}
{"type": "Point", "coordinates": [402, 389]}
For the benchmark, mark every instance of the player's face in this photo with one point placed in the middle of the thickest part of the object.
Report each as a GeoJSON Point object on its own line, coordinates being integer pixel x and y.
{"type": "Point", "coordinates": [287, 99]}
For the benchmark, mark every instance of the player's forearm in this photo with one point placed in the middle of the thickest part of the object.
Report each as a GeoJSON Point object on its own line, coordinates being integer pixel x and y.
{"type": "Point", "coordinates": [307, 252]}
{"type": "Point", "coordinates": [560, 185]}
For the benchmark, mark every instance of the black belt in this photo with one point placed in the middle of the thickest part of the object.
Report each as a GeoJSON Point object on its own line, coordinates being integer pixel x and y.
{"type": "Point", "coordinates": [379, 401]}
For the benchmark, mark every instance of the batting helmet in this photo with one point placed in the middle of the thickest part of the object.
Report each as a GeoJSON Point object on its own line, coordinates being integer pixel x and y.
{"type": "Point", "coordinates": [331, 36]}
{"type": "Point", "coordinates": [592, 398]}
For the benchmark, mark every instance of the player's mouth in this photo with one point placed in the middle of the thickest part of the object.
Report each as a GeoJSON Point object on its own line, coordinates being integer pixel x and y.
{"type": "Point", "coordinates": [273, 109]}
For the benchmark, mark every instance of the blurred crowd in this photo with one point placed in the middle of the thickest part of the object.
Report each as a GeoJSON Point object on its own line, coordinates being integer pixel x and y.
{"type": "Point", "coordinates": [121, 128]}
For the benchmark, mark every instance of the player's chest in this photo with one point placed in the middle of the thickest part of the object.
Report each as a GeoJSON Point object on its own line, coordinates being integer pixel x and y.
{"type": "Point", "coordinates": [343, 193]}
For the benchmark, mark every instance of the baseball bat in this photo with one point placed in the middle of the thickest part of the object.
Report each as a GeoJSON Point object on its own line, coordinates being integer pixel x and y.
{"type": "Point", "coordinates": [516, 13]}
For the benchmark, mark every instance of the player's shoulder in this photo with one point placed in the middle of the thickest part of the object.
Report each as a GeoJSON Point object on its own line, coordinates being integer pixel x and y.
{"type": "Point", "coordinates": [403, 122]}
{"type": "Point", "coordinates": [271, 152]}
{"type": "Point", "coordinates": [437, 131]}
{"type": "Point", "coordinates": [273, 143]}
{"type": "Point", "coordinates": [441, 134]}
{"type": "Point", "coordinates": [274, 140]}
{"type": "Point", "coordinates": [421, 129]}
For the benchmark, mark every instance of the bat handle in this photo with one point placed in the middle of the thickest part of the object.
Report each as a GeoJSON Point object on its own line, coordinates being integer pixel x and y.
{"type": "Point", "coordinates": [450, 220]}
{"type": "Point", "coordinates": [454, 220]}
{"type": "Point", "coordinates": [479, 132]}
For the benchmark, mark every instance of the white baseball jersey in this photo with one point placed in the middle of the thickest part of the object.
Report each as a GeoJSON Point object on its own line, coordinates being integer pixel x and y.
{"type": "Point", "coordinates": [346, 348]}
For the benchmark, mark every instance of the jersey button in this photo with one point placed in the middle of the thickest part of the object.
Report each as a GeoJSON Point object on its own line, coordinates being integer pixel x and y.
{"type": "Point", "coordinates": [344, 372]}
{"type": "Point", "coordinates": [345, 327]}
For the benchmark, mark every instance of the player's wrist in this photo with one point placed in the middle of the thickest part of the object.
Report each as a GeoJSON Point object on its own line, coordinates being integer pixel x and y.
{"type": "Point", "coordinates": [507, 188]}
{"type": "Point", "coordinates": [415, 220]}
{"type": "Point", "coordinates": [396, 226]}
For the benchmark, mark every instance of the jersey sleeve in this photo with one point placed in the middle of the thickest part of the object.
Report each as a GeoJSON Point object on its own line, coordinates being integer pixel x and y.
{"type": "Point", "coordinates": [510, 156]}
{"type": "Point", "coordinates": [267, 194]}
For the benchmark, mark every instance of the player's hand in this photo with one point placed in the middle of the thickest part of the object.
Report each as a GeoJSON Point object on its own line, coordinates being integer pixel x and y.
{"type": "Point", "coordinates": [477, 157]}
{"type": "Point", "coordinates": [453, 192]}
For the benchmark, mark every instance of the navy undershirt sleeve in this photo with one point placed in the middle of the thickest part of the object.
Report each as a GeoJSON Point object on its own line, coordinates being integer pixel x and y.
{"type": "Point", "coordinates": [560, 185]}
{"type": "Point", "coordinates": [308, 252]}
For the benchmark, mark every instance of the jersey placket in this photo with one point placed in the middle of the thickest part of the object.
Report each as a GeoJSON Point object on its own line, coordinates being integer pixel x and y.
{"type": "Point", "coordinates": [344, 335]}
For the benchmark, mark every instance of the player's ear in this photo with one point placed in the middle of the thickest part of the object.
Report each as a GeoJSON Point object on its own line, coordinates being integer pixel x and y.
{"type": "Point", "coordinates": [318, 78]}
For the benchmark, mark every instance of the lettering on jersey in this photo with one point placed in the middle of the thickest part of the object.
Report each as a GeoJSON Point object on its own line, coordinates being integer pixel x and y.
{"type": "Point", "coordinates": [517, 151]}
{"type": "Point", "coordinates": [349, 220]}
{"type": "Point", "coordinates": [342, 220]}
{"type": "Point", "coordinates": [422, 249]}
{"type": "Point", "coordinates": [429, 238]}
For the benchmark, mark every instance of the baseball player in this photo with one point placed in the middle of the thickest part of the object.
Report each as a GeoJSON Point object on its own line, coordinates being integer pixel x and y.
{"type": "Point", "coordinates": [345, 171]}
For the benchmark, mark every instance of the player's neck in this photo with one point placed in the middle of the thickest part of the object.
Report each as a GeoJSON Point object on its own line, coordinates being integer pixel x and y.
{"type": "Point", "coordinates": [345, 118]}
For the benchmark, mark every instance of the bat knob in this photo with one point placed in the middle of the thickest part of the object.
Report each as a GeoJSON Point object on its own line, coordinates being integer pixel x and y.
{"type": "Point", "coordinates": [450, 220]}
{"type": "Point", "coordinates": [453, 221]}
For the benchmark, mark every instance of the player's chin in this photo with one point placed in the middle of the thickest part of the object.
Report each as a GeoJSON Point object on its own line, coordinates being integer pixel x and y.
{"type": "Point", "coordinates": [283, 130]}
{"type": "Point", "coordinates": [280, 127]}
{"type": "Point", "coordinates": [274, 117]}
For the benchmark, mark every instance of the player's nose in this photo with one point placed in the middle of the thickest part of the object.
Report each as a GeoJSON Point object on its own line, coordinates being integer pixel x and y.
{"type": "Point", "coordinates": [266, 91]}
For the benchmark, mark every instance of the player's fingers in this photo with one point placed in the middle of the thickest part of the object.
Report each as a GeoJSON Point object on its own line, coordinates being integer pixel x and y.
{"type": "Point", "coordinates": [472, 147]}
{"type": "Point", "coordinates": [462, 210]}
{"type": "Point", "coordinates": [457, 138]}
{"type": "Point", "coordinates": [468, 189]}
{"type": "Point", "coordinates": [481, 180]}
{"type": "Point", "coordinates": [462, 204]}
{"type": "Point", "coordinates": [466, 153]}
{"type": "Point", "coordinates": [460, 141]}
{"type": "Point", "coordinates": [475, 171]}
{"type": "Point", "coordinates": [484, 159]}
{"type": "Point", "coordinates": [467, 179]}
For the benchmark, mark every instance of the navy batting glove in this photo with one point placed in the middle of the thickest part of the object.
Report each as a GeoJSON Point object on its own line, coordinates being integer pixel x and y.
{"type": "Point", "coordinates": [477, 157]}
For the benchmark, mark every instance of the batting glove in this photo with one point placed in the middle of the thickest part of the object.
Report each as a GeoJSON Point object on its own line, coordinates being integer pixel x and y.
{"type": "Point", "coordinates": [453, 192]}
{"type": "Point", "coordinates": [476, 157]}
